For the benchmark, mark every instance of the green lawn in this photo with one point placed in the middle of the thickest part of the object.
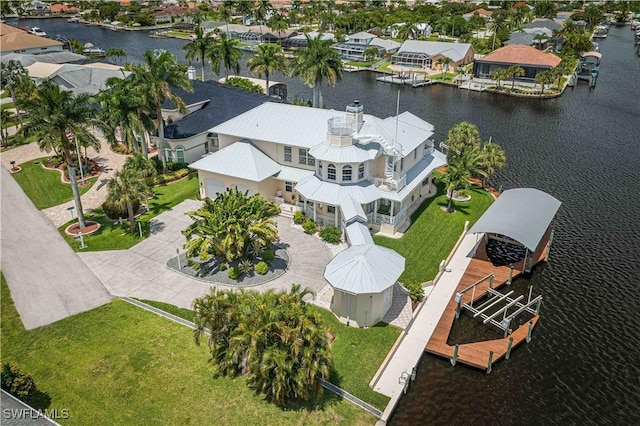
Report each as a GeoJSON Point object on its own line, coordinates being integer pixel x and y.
{"type": "Point", "coordinates": [112, 236]}
{"type": "Point", "coordinates": [44, 187]}
{"type": "Point", "coordinates": [7, 105]}
{"type": "Point", "coordinates": [433, 233]}
{"type": "Point", "coordinates": [120, 365]}
{"type": "Point", "coordinates": [357, 352]}
{"type": "Point", "coordinates": [4, 94]}
{"type": "Point", "coordinates": [360, 64]}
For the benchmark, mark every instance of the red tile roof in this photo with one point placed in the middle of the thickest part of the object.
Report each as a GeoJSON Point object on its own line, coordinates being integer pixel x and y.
{"type": "Point", "coordinates": [522, 55]}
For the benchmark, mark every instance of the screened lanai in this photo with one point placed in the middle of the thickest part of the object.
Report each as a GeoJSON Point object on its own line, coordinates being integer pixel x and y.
{"type": "Point", "coordinates": [411, 59]}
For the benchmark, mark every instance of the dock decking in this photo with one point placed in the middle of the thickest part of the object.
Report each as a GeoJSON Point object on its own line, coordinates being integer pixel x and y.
{"type": "Point", "coordinates": [476, 354]}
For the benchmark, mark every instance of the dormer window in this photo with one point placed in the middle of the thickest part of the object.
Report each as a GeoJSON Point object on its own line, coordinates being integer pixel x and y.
{"type": "Point", "coordinates": [361, 171]}
{"type": "Point", "coordinates": [346, 174]}
{"type": "Point", "coordinates": [331, 172]}
{"type": "Point", "coordinates": [305, 158]}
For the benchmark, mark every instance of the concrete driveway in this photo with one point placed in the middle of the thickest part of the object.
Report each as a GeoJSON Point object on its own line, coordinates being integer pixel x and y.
{"type": "Point", "coordinates": [48, 281]}
{"type": "Point", "coordinates": [141, 271]}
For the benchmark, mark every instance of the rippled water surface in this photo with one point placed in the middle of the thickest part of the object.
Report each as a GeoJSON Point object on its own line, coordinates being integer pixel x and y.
{"type": "Point", "coordinates": [583, 364]}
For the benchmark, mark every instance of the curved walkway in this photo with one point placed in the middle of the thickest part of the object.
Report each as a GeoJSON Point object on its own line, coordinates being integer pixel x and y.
{"type": "Point", "coordinates": [141, 271]}
{"type": "Point", "coordinates": [109, 162]}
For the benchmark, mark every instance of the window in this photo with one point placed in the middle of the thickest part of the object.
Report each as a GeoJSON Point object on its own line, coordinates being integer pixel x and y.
{"type": "Point", "coordinates": [320, 169]}
{"type": "Point", "coordinates": [415, 153]}
{"type": "Point", "coordinates": [168, 154]}
{"type": "Point", "coordinates": [206, 147]}
{"type": "Point", "coordinates": [305, 158]}
{"type": "Point", "coordinates": [401, 164]}
{"type": "Point", "coordinates": [331, 172]}
{"type": "Point", "coordinates": [331, 209]}
{"type": "Point", "coordinates": [180, 154]}
{"type": "Point", "coordinates": [346, 173]}
{"type": "Point", "coordinates": [361, 171]}
{"type": "Point", "coordinates": [287, 154]}
{"type": "Point", "coordinates": [288, 186]}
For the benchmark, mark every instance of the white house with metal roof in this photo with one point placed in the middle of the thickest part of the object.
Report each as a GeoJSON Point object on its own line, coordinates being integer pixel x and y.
{"type": "Point", "coordinates": [426, 54]}
{"type": "Point", "coordinates": [339, 167]}
{"type": "Point", "coordinates": [355, 46]}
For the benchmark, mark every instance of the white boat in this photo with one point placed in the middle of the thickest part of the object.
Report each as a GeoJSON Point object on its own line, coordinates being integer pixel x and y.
{"type": "Point", "coordinates": [91, 50]}
{"type": "Point", "coordinates": [37, 31]}
{"type": "Point", "coordinates": [73, 19]}
{"type": "Point", "coordinates": [600, 31]}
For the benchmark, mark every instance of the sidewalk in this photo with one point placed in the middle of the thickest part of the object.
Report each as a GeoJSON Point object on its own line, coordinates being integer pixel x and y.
{"type": "Point", "coordinates": [411, 348]}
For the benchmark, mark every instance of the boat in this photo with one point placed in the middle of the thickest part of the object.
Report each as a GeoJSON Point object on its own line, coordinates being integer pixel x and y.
{"type": "Point", "coordinates": [91, 50]}
{"type": "Point", "coordinates": [589, 66]}
{"type": "Point", "coordinates": [601, 31]}
{"type": "Point", "coordinates": [36, 31]}
{"type": "Point", "coordinates": [108, 25]}
{"type": "Point", "coordinates": [73, 19]}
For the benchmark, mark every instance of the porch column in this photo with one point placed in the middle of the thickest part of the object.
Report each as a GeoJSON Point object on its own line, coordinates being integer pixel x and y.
{"type": "Point", "coordinates": [391, 209]}
{"type": "Point", "coordinates": [336, 215]}
{"type": "Point", "coordinates": [314, 210]}
{"type": "Point", "coordinates": [305, 205]}
{"type": "Point", "coordinates": [375, 211]}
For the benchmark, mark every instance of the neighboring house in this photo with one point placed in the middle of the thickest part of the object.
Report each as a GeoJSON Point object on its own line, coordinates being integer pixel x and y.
{"type": "Point", "coordinates": [337, 166]}
{"type": "Point", "coordinates": [59, 8]}
{"type": "Point", "coordinates": [483, 13]}
{"type": "Point", "coordinates": [16, 40]}
{"type": "Point", "coordinates": [171, 13]}
{"type": "Point", "coordinates": [531, 59]}
{"type": "Point", "coordinates": [300, 41]}
{"type": "Point", "coordinates": [353, 49]}
{"type": "Point", "coordinates": [89, 78]}
{"type": "Point", "coordinates": [425, 54]}
{"type": "Point", "coordinates": [258, 34]}
{"type": "Point", "coordinates": [549, 24]}
{"type": "Point", "coordinates": [61, 57]}
{"type": "Point", "coordinates": [424, 29]}
{"type": "Point", "coordinates": [529, 37]}
{"type": "Point", "coordinates": [211, 103]}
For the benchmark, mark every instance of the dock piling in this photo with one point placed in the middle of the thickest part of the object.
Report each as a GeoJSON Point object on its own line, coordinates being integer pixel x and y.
{"type": "Point", "coordinates": [509, 346]}
{"type": "Point", "coordinates": [491, 281]}
{"type": "Point", "coordinates": [454, 359]}
{"type": "Point", "coordinates": [538, 306]}
{"type": "Point", "coordinates": [529, 331]}
{"type": "Point", "coordinates": [510, 275]}
{"type": "Point", "coordinates": [490, 362]}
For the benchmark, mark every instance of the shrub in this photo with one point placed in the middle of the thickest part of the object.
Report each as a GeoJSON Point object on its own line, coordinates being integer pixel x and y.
{"type": "Point", "coordinates": [309, 227]}
{"type": "Point", "coordinates": [167, 177]}
{"type": "Point", "coordinates": [234, 273]}
{"type": "Point", "coordinates": [223, 266]}
{"type": "Point", "coordinates": [331, 234]}
{"type": "Point", "coordinates": [298, 217]}
{"type": "Point", "coordinates": [262, 268]}
{"type": "Point", "coordinates": [113, 211]}
{"type": "Point", "coordinates": [17, 382]}
{"type": "Point", "coordinates": [245, 266]}
{"type": "Point", "coordinates": [177, 166]}
{"type": "Point", "coordinates": [416, 292]}
{"type": "Point", "coordinates": [268, 256]}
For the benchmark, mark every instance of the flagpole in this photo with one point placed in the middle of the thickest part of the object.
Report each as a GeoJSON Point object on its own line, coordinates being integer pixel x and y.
{"type": "Point", "coordinates": [70, 137]}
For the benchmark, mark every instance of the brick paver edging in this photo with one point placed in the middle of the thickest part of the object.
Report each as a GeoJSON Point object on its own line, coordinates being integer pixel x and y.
{"type": "Point", "coordinates": [327, 385]}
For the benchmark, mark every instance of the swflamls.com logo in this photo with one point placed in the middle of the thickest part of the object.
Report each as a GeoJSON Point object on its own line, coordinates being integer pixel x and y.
{"type": "Point", "coordinates": [25, 413]}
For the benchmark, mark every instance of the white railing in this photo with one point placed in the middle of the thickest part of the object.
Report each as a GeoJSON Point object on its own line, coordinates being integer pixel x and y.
{"type": "Point", "coordinates": [383, 219]}
{"type": "Point", "coordinates": [394, 184]}
{"type": "Point", "coordinates": [277, 200]}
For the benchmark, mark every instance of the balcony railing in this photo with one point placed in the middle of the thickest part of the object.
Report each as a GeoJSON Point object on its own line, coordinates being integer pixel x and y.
{"type": "Point", "coordinates": [394, 184]}
{"type": "Point", "coordinates": [383, 219]}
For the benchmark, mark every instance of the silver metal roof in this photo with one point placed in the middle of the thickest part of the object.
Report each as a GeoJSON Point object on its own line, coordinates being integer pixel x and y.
{"type": "Point", "coordinates": [27, 59]}
{"type": "Point", "coordinates": [364, 269]}
{"type": "Point", "coordinates": [330, 193]}
{"type": "Point", "coordinates": [455, 51]}
{"type": "Point", "coordinates": [352, 211]}
{"type": "Point", "coordinates": [522, 214]}
{"type": "Point", "coordinates": [240, 159]}
{"type": "Point", "coordinates": [418, 173]}
{"type": "Point", "coordinates": [293, 174]}
{"type": "Point", "coordinates": [346, 154]}
{"type": "Point", "coordinates": [358, 234]}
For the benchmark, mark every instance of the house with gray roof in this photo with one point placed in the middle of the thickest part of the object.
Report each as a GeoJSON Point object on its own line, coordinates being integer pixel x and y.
{"type": "Point", "coordinates": [339, 167]}
{"type": "Point", "coordinates": [89, 78]}
{"type": "Point", "coordinates": [355, 46]}
{"type": "Point", "coordinates": [188, 138]}
{"type": "Point", "coordinates": [425, 54]}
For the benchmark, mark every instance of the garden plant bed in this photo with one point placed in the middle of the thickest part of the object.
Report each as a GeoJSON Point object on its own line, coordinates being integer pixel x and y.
{"type": "Point", "coordinates": [209, 272]}
{"type": "Point", "coordinates": [90, 228]}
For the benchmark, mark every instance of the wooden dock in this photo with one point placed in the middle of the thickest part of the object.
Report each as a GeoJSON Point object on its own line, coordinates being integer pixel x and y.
{"type": "Point", "coordinates": [477, 354]}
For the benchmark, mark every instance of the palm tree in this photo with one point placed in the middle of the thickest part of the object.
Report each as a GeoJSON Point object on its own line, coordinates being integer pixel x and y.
{"type": "Point", "coordinates": [498, 24]}
{"type": "Point", "coordinates": [499, 75]}
{"type": "Point", "coordinates": [7, 119]}
{"type": "Point", "coordinates": [57, 117]}
{"type": "Point", "coordinates": [444, 62]}
{"type": "Point", "coordinates": [225, 52]}
{"type": "Point", "coordinates": [460, 72]}
{"type": "Point", "coordinates": [493, 159]}
{"type": "Point", "coordinates": [462, 135]}
{"type": "Point", "coordinates": [269, 58]}
{"type": "Point", "coordinates": [115, 52]}
{"type": "Point", "coordinates": [408, 31]}
{"type": "Point", "coordinates": [198, 47]}
{"type": "Point", "coordinates": [543, 78]}
{"type": "Point", "coordinates": [225, 15]}
{"type": "Point", "coordinates": [461, 167]}
{"type": "Point", "coordinates": [593, 15]}
{"type": "Point", "coordinates": [315, 63]}
{"type": "Point", "coordinates": [10, 74]}
{"type": "Point", "coordinates": [278, 22]}
{"type": "Point", "coordinates": [539, 39]}
{"type": "Point", "coordinates": [125, 188]}
{"type": "Point", "coordinates": [370, 54]}
{"type": "Point", "coordinates": [515, 71]}
{"type": "Point", "coordinates": [155, 78]}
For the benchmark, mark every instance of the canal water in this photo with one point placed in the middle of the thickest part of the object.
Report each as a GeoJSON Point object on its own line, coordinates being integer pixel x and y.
{"type": "Point", "coordinates": [583, 364]}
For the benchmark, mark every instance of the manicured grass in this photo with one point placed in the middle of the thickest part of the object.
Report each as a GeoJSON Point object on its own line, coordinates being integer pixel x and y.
{"type": "Point", "coordinates": [357, 353]}
{"type": "Point", "coordinates": [360, 64]}
{"type": "Point", "coordinates": [120, 365]}
{"type": "Point", "coordinates": [112, 236]}
{"type": "Point", "coordinates": [433, 233]}
{"type": "Point", "coordinates": [7, 105]}
{"type": "Point", "coordinates": [44, 187]}
{"type": "Point", "coordinates": [4, 94]}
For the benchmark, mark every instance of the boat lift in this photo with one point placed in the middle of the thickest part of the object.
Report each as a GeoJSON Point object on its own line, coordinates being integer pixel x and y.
{"type": "Point", "coordinates": [495, 299]}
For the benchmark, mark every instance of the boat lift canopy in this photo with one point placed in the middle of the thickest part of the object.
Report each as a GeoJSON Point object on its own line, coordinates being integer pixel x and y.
{"type": "Point", "coordinates": [591, 53]}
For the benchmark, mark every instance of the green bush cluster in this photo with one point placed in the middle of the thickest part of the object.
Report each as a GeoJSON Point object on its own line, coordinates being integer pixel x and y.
{"type": "Point", "coordinates": [114, 211]}
{"type": "Point", "coordinates": [234, 273]}
{"type": "Point", "coordinates": [268, 256]}
{"type": "Point", "coordinates": [223, 266]}
{"type": "Point", "coordinates": [416, 292]}
{"type": "Point", "coordinates": [331, 234]}
{"type": "Point", "coordinates": [262, 268]}
{"type": "Point", "coordinates": [177, 166]}
{"type": "Point", "coordinates": [17, 382]}
{"type": "Point", "coordinates": [309, 227]}
{"type": "Point", "coordinates": [167, 177]}
{"type": "Point", "coordinates": [298, 217]}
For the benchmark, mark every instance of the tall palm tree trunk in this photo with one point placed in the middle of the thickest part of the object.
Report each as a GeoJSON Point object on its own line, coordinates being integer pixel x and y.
{"type": "Point", "coordinates": [13, 98]}
{"type": "Point", "coordinates": [132, 221]}
{"type": "Point", "coordinates": [316, 96]}
{"type": "Point", "coordinates": [202, 58]}
{"type": "Point", "coordinates": [74, 185]}
{"type": "Point", "coordinates": [161, 152]}
{"type": "Point", "coordinates": [266, 77]}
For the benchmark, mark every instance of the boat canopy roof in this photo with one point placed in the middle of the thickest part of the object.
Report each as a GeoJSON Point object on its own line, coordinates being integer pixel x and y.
{"type": "Point", "coordinates": [595, 54]}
